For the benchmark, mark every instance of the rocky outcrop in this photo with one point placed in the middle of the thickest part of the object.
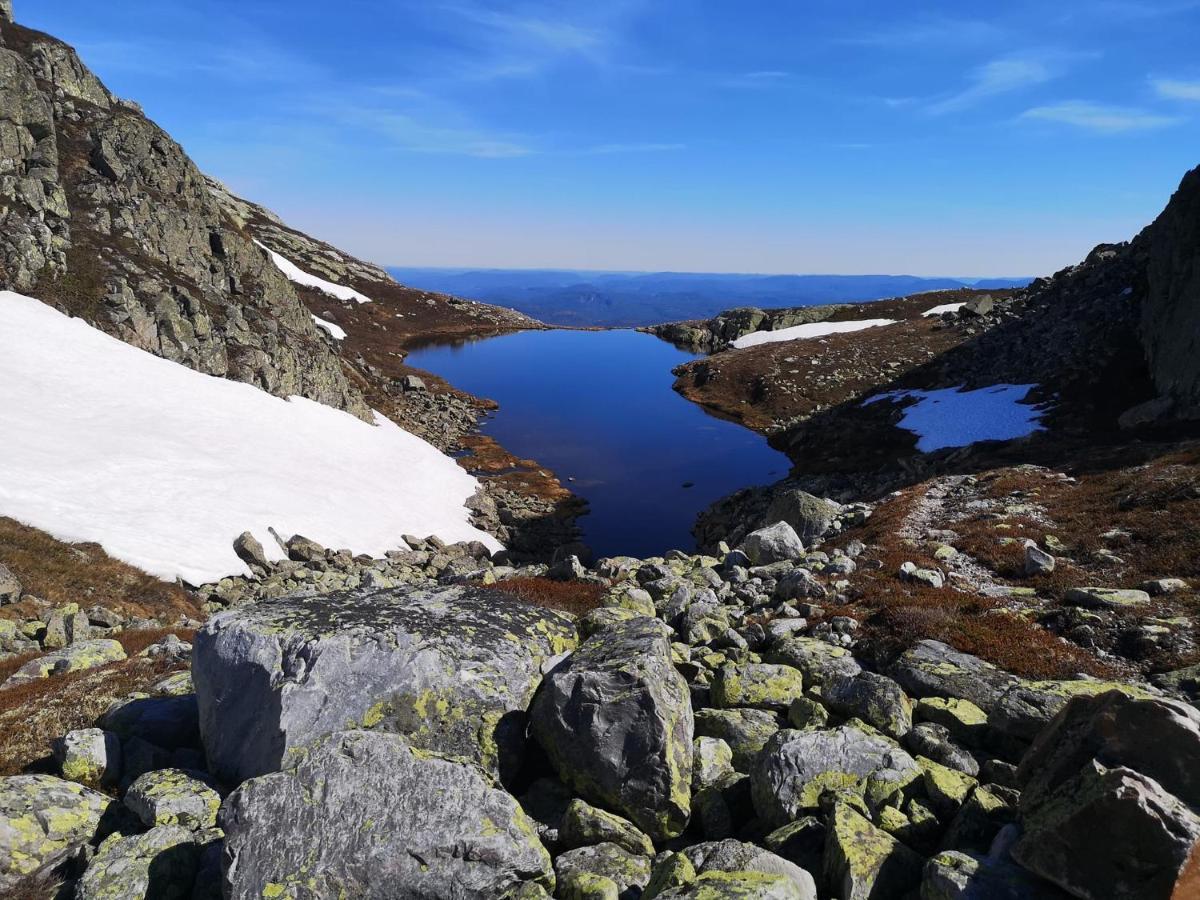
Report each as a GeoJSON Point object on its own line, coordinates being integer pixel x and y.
{"type": "Point", "coordinates": [107, 218]}
{"type": "Point", "coordinates": [452, 668]}
{"type": "Point", "coordinates": [717, 333]}
{"type": "Point", "coordinates": [363, 814]}
{"type": "Point", "coordinates": [1171, 311]}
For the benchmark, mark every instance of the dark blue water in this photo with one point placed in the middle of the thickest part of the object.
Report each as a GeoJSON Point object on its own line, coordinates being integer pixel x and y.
{"type": "Point", "coordinates": [597, 406]}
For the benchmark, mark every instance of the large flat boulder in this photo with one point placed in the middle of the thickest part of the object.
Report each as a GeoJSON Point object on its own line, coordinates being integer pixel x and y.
{"type": "Point", "coordinates": [364, 814]}
{"type": "Point", "coordinates": [452, 668]}
{"type": "Point", "coordinates": [615, 718]}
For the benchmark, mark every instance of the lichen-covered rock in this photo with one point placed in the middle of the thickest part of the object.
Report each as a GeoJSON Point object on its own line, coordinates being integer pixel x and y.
{"type": "Point", "coordinates": [965, 722]}
{"type": "Point", "coordinates": [746, 731]}
{"type": "Point", "coordinates": [737, 886]}
{"type": "Point", "coordinates": [1157, 737]}
{"type": "Point", "coordinates": [946, 788]}
{"type": "Point", "coordinates": [775, 543]}
{"type": "Point", "coordinates": [615, 718]}
{"type": "Point", "coordinates": [173, 797]}
{"type": "Point", "coordinates": [874, 698]}
{"type": "Point", "coordinates": [89, 756]}
{"type": "Point", "coordinates": [43, 820]}
{"type": "Point", "coordinates": [864, 863]}
{"type": "Point", "coordinates": [817, 660]}
{"type": "Point", "coordinates": [84, 655]}
{"type": "Point", "coordinates": [628, 871]}
{"type": "Point", "coordinates": [364, 814]}
{"type": "Point", "coordinates": [757, 685]}
{"type": "Point", "coordinates": [584, 825]}
{"type": "Point", "coordinates": [10, 586]}
{"type": "Point", "coordinates": [1014, 706]}
{"type": "Point", "coordinates": [809, 515]}
{"type": "Point", "coordinates": [933, 741]}
{"type": "Point", "coordinates": [672, 871]}
{"type": "Point", "coordinates": [797, 767]}
{"type": "Point", "coordinates": [587, 886]}
{"type": "Point", "coordinates": [953, 875]}
{"type": "Point", "coordinates": [1112, 833]}
{"type": "Point", "coordinates": [157, 865]}
{"type": "Point", "coordinates": [711, 758]}
{"type": "Point", "coordinates": [737, 856]}
{"type": "Point", "coordinates": [1107, 598]}
{"type": "Point", "coordinates": [452, 668]}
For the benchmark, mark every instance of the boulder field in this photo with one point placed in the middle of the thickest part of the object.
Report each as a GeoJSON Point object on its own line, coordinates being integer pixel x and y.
{"type": "Point", "coordinates": [693, 736]}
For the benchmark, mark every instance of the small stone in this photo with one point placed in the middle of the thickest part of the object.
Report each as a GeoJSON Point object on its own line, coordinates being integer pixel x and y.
{"type": "Point", "coordinates": [711, 758]}
{"type": "Point", "coordinates": [874, 698]}
{"type": "Point", "coordinates": [10, 586]}
{"type": "Point", "coordinates": [584, 825]}
{"type": "Point", "coordinates": [250, 551]}
{"type": "Point", "coordinates": [746, 731]}
{"type": "Point", "coordinates": [303, 549]}
{"type": "Point", "coordinates": [173, 797]}
{"type": "Point", "coordinates": [775, 543]}
{"type": "Point", "coordinates": [89, 756]}
{"type": "Point", "coordinates": [628, 871]}
{"type": "Point", "coordinates": [1038, 561]}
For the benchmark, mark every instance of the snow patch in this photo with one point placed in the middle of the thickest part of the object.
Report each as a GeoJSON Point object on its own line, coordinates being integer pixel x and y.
{"type": "Point", "coordinates": [164, 466]}
{"type": "Point", "coordinates": [954, 417]}
{"type": "Point", "coordinates": [299, 276]}
{"type": "Point", "coordinates": [944, 308]}
{"type": "Point", "coordinates": [335, 331]}
{"type": "Point", "coordinates": [801, 332]}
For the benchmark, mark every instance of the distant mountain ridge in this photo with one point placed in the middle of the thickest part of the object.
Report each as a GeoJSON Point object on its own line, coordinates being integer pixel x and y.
{"type": "Point", "coordinates": [574, 297]}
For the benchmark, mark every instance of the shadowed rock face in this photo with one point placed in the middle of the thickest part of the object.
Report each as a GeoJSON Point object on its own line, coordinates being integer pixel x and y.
{"type": "Point", "coordinates": [363, 814]}
{"type": "Point", "coordinates": [107, 218]}
{"type": "Point", "coordinates": [1171, 312]}
{"type": "Point", "coordinates": [452, 668]}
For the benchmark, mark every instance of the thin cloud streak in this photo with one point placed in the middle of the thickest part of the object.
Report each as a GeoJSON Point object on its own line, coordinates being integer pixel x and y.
{"type": "Point", "coordinates": [1000, 76]}
{"type": "Point", "coordinates": [1173, 89]}
{"type": "Point", "coordinates": [1099, 118]}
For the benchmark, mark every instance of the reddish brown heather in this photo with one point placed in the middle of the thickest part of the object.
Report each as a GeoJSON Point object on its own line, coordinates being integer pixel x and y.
{"type": "Point", "coordinates": [575, 597]}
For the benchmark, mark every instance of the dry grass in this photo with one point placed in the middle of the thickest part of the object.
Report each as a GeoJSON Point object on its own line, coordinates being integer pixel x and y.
{"type": "Point", "coordinates": [63, 573]}
{"type": "Point", "coordinates": [897, 613]}
{"type": "Point", "coordinates": [575, 597]}
{"type": "Point", "coordinates": [32, 715]}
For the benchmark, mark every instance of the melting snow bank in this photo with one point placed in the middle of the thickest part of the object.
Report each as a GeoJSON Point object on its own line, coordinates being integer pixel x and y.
{"type": "Point", "coordinates": [164, 466]}
{"type": "Point", "coordinates": [944, 308]}
{"type": "Point", "coordinates": [800, 332]}
{"type": "Point", "coordinates": [299, 276]}
{"type": "Point", "coordinates": [335, 331]}
{"type": "Point", "coordinates": [955, 418]}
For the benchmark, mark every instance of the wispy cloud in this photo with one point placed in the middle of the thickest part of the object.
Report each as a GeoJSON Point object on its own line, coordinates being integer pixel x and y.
{"type": "Point", "coordinates": [943, 32]}
{"type": "Point", "coordinates": [607, 149]}
{"type": "Point", "coordinates": [1174, 89]}
{"type": "Point", "coordinates": [1099, 118]}
{"type": "Point", "coordinates": [415, 134]}
{"type": "Point", "coordinates": [1000, 76]}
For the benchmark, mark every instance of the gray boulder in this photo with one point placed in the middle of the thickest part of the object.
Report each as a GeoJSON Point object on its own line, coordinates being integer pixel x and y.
{"type": "Point", "coordinates": [364, 814]}
{"type": "Point", "coordinates": [453, 668]}
{"type": "Point", "coordinates": [1111, 833]}
{"type": "Point", "coordinates": [75, 658]}
{"type": "Point", "coordinates": [737, 856]}
{"type": "Point", "coordinates": [953, 875]}
{"type": "Point", "coordinates": [173, 797]}
{"type": "Point", "coordinates": [746, 731]}
{"type": "Point", "coordinates": [874, 698]}
{"type": "Point", "coordinates": [736, 886]}
{"type": "Point", "coordinates": [584, 825]}
{"type": "Point", "coordinates": [933, 741]}
{"type": "Point", "coordinates": [810, 516]}
{"type": "Point", "coordinates": [797, 767]}
{"type": "Point", "coordinates": [89, 756]}
{"type": "Point", "coordinates": [160, 864]}
{"type": "Point", "coordinates": [250, 551]}
{"type": "Point", "coordinates": [818, 660]}
{"type": "Point", "coordinates": [1159, 738]}
{"type": "Point", "coordinates": [615, 718]}
{"type": "Point", "coordinates": [43, 821]}
{"type": "Point", "coordinates": [583, 870]}
{"type": "Point", "coordinates": [863, 862]}
{"type": "Point", "coordinates": [168, 722]}
{"type": "Point", "coordinates": [775, 543]}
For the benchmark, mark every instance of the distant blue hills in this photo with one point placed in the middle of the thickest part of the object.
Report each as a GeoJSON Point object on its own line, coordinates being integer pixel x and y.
{"type": "Point", "coordinates": [562, 297]}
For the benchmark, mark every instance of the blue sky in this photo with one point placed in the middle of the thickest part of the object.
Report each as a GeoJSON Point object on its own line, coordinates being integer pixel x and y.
{"type": "Point", "coordinates": [856, 136]}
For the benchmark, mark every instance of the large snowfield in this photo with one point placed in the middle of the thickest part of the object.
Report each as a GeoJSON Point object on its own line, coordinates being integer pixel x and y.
{"type": "Point", "coordinates": [164, 466]}
{"type": "Point", "coordinates": [954, 417]}
{"type": "Point", "coordinates": [802, 332]}
{"type": "Point", "coordinates": [297, 275]}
